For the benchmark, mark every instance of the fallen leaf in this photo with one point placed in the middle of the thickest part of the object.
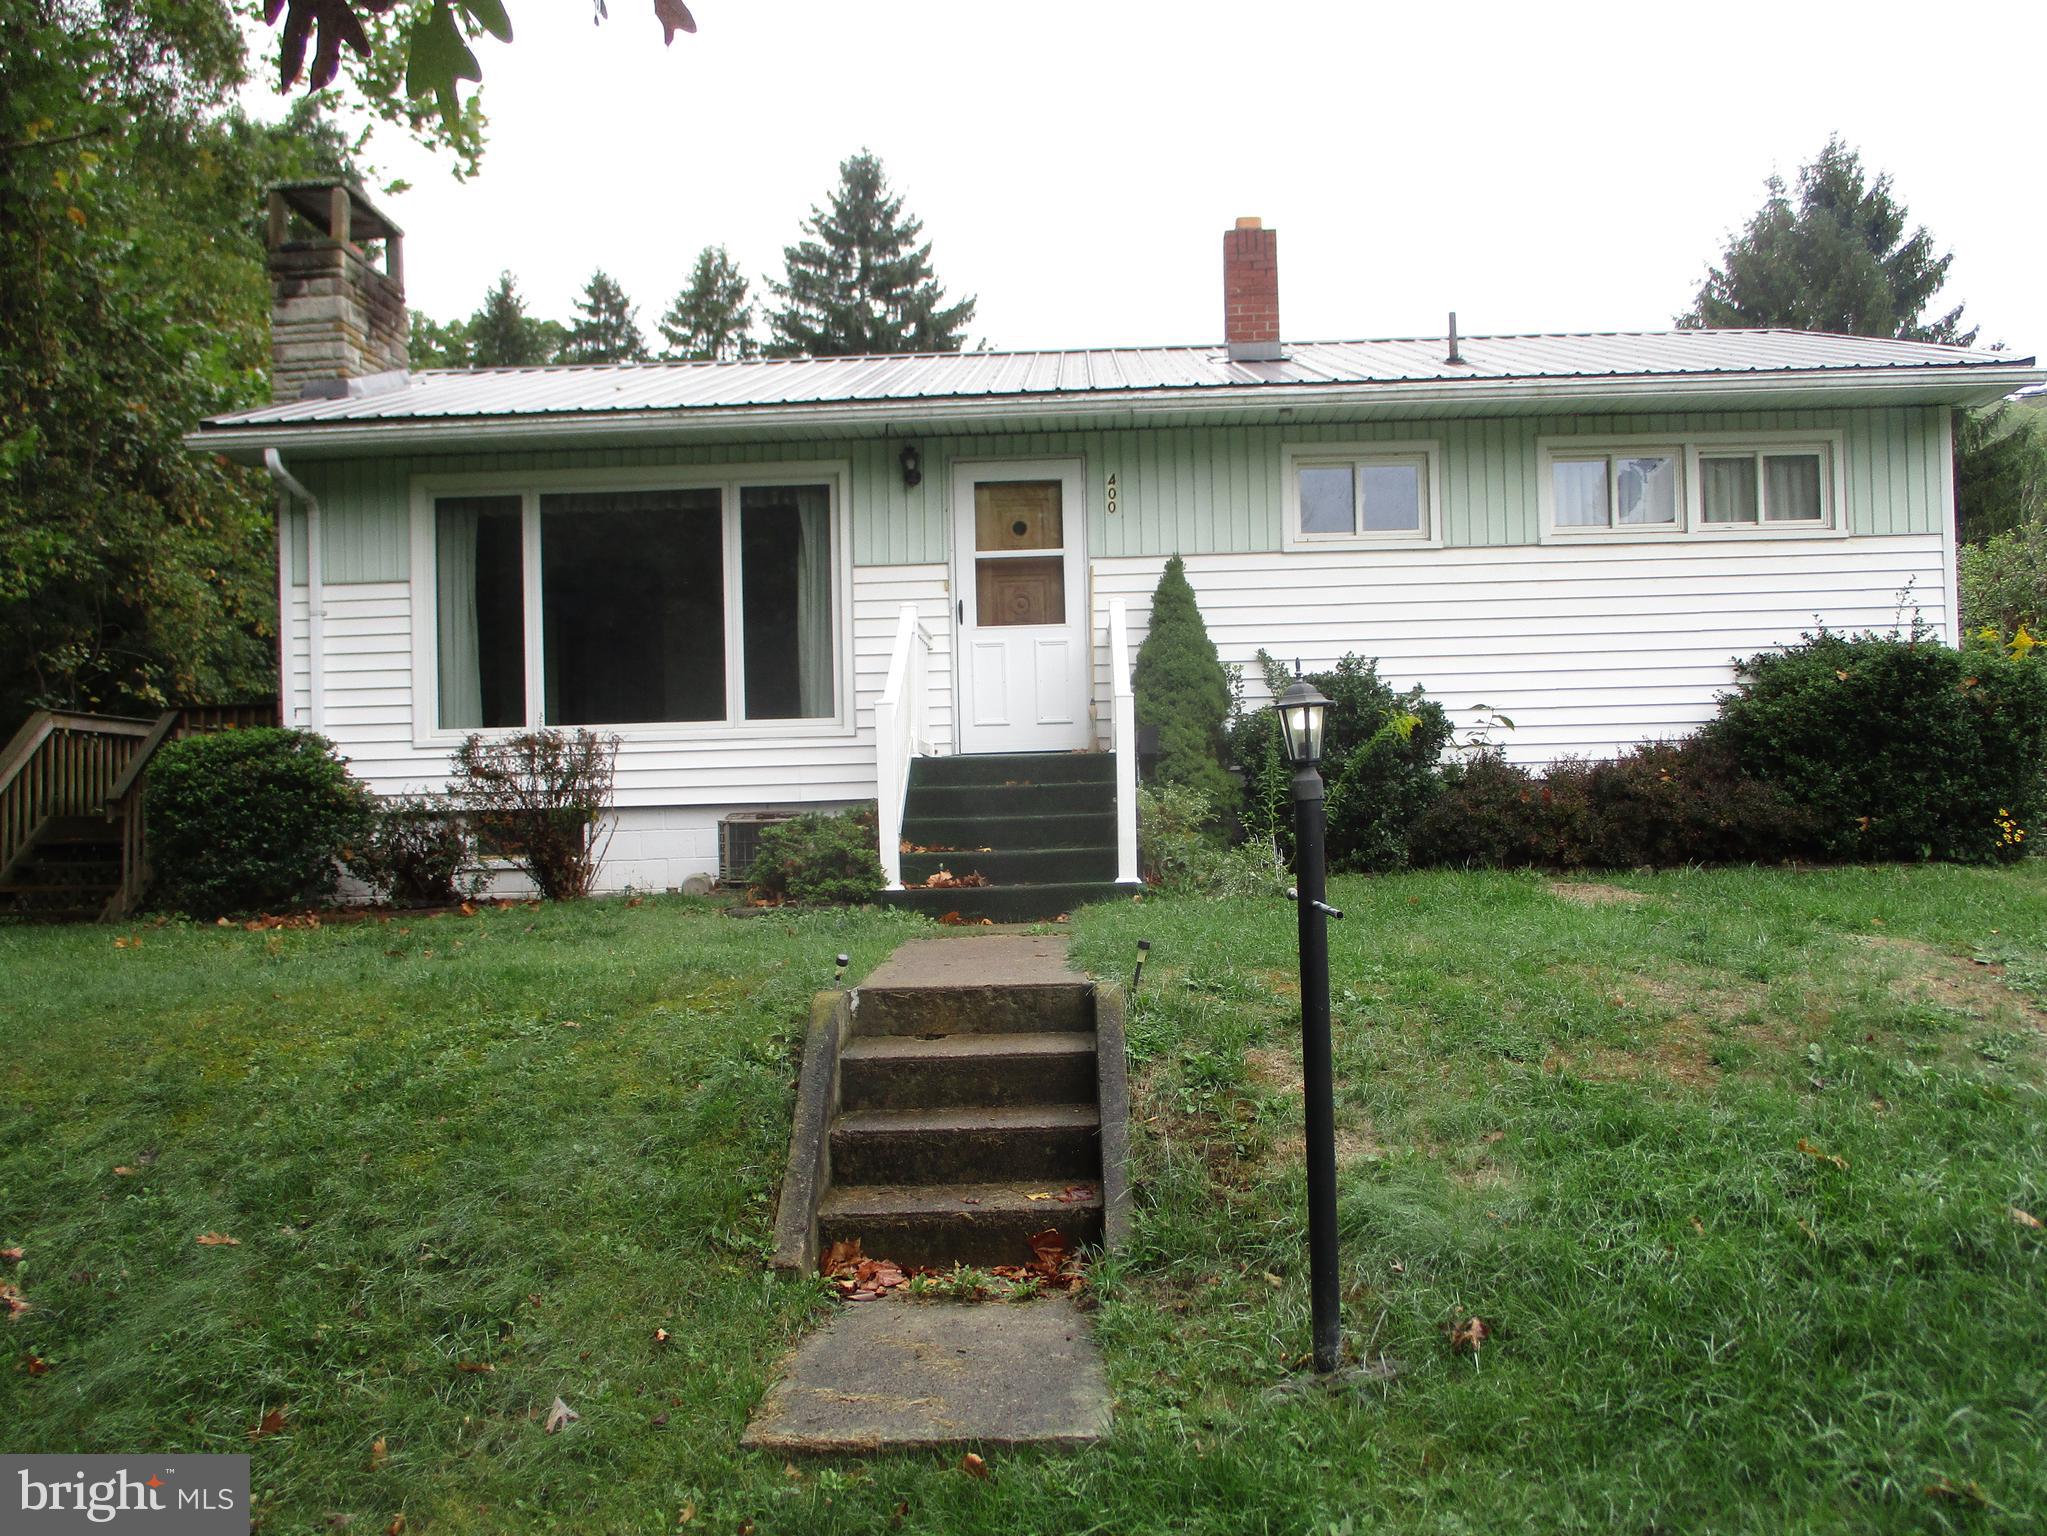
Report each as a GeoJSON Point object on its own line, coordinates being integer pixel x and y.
{"type": "Point", "coordinates": [746, 1528]}
{"type": "Point", "coordinates": [841, 1257]}
{"type": "Point", "coordinates": [1967, 1493]}
{"type": "Point", "coordinates": [660, 1335]}
{"type": "Point", "coordinates": [1274, 1280]}
{"type": "Point", "coordinates": [1470, 1334]}
{"type": "Point", "coordinates": [36, 1365]}
{"type": "Point", "coordinates": [11, 1299]}
{"type": "Point", "coordinates": [271, 1423]}
{"type": "Point", "coordinates": [1038, 1197]}
{"type": "Point", "coordinates": [686, 1514]}
{"type": "Point", "coordinates": [214, 1239]}
{"type": "Point", "coordinates": [973, 1465]}
{"type": "Point", "coordinates": [12, 1255]}
{"type": "Point", "coordinates": [1826, 1157]}
{"type": "Point", "coordinates": [570, 1024]}
{"type": "Point", "coordinates": [659, 1421]}
{"type": "Point", "coordinates": [397, 1525]}
{"type": "Point", "coordinates": [561, 1413]}
{"type": "Point", "coordinates": [470, 911]}
{"type": "Point", "coordinates": [378, 1451]}
{"type": "Point", "coordinates": [123, 1171]}
{"type": "Point", "coordinates": [475, 1367]}
{"type": "Point", "coordinates": [2025, 1219]}
{"type": "Point", "coordinates": [1698, 1226]}
{"type": "Point", "coordinates": [1075, 1194]}
{"type": "Point", "coordinates": [1491, 1137]}
{"type": "Point", "coordinates": [898, 1515]}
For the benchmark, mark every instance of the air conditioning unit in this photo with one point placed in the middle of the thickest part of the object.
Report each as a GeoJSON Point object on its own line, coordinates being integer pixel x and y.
{"type": "Point", "coordinates": [739, 841]}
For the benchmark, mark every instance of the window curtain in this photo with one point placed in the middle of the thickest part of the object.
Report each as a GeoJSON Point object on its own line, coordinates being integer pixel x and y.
{"type": "Point", "coordinates": [814, 679]}
{"type": "Point", "coordinates": [1728, 487]}
{"type": "Point", "coordinates": [461, 657]}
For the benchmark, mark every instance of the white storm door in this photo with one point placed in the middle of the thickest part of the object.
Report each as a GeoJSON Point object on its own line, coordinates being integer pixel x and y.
{"type": "Point", "coordinates": [1021, 592]}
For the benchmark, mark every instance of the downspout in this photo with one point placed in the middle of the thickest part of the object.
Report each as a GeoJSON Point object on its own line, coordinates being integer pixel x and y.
{"type": "Point", "coordinates": [316, 595]}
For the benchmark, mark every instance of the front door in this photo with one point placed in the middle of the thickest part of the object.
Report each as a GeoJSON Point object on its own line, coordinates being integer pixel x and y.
{"type": "Point", "coordinates": [1018, 576]}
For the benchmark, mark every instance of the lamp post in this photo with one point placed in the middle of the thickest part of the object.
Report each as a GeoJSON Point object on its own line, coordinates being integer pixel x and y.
{"type": "Point", "coordinates": [1302, 710]}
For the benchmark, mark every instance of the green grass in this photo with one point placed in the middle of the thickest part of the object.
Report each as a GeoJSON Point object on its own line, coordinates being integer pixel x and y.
{"type": "Point", "coordinates": [1579, 1121]}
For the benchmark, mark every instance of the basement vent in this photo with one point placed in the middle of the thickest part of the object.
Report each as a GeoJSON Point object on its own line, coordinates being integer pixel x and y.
{"type": "Point", "coordinates": [739, 840]}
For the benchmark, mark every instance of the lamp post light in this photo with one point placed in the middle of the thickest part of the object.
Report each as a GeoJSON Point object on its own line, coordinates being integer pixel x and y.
{"type": "Point", "coordinates": [1302, 710]}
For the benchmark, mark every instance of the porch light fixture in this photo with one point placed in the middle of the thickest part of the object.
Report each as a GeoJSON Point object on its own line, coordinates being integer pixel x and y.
{"type": "Point", "coordinates": [1302, 710]}
{"type": "Point", "coordinates": [913, 466]}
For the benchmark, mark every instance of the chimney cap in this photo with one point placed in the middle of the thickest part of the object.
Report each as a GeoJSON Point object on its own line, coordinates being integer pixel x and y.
{"type": "Point", "coordinates": [310, 199]}
{"type": "Point", "coordinates": [1250, 223]}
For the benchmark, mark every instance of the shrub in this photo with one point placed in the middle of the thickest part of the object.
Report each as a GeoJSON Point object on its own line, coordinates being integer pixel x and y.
{"type": "Point", "coordinates": [1660, 805]}
{"type": "Point", "coordinates": [1182, 691]}
{"type": "Point", "coordinates": [250, 820]}
{"type": "Point", "coordinates": [2004, 582]}
{"type": "Point", "coordinates": [819, 858]}
{"type": "Point", "coordinates": [1899, 747]}
{"type": "Point", "coordinates": [1380, 754]}
{"type": "Point", "coordinates": [1184, 853]}
{"type": "Point", "coordinates": [538, 798]}
{"type": "Point", "coordinates": [417, 853]}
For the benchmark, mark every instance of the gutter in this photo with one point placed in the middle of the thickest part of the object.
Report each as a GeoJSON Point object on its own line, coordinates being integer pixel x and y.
{"type": "Point", "coordinates": [316, 596]}
{"type": "Point", "coordinates": [1116, 407]}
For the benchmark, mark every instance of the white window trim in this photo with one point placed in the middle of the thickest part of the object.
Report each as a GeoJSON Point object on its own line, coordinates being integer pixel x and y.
{"type": "Point", "coordinates": [530, 486]}
{"type": "Point", "coordinates": [1296, 456]}
{"type": "Point", "coordinates": [1690, 447]}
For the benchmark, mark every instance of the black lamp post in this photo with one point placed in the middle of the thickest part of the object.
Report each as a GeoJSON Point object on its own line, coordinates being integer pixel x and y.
{"type": "Point", "coordinates": [1302, 710]}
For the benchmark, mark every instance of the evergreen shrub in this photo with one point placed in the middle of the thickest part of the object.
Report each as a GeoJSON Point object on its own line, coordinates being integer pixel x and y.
{"type": "Point", "coordinates": [250, 820]}
{"type": "Point", "coordinates": [1182, 690]}
{"type": "Point", "coordinates": [1898, 746]}
{"type": "Point", "coordinates": [819, 858]}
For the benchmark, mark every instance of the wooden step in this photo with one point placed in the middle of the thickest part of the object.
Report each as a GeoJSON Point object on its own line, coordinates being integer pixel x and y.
{"type": "Point", "coordinates": [909, 1072]}
{"type": "Point", "coordinates": [967, 1145]}
{"type": "Point", "coordinates": [937, 1225]}
{"type": "Point", "coordinates": [1014, 768]}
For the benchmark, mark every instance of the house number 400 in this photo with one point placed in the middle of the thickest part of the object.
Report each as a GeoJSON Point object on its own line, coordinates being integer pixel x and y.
{"type": "Point", "coordinates": [1112, 495]}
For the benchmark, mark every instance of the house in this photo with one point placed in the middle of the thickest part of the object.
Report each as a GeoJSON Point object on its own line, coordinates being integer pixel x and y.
{"type": "Point", "coordinates": [812, 582]}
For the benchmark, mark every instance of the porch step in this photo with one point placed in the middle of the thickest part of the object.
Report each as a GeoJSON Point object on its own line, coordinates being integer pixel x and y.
{"type": "Point", "coordinates": [79, 831]}
{"type": "Point", "coordinates": [1009, 799]}
{"type": "Point", "coordinates": [1017, 768]}
{"type": "Point", "coordinates": [1003, 833]}
{"type": "Point", "coordinates": [1016, 866]}
{"type": "Point", "coordinates": [971, 1145]}
{"type": "Point", "coordinates": [1006, 903]}
{"type": "Point", "coordinates": [910, 1072]}
{"type": "Point", "coordinates": [940, 1224]}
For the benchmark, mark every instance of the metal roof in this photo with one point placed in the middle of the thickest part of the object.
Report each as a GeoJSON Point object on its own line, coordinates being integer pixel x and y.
{"type": "Point", "coordinates": [1121, 371]}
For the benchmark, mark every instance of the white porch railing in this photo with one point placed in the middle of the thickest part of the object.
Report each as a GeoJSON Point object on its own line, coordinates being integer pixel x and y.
{"type": "Point", "coordinates": [900, 734]}
{"type": "Point", "coordinates": [1123, 719]}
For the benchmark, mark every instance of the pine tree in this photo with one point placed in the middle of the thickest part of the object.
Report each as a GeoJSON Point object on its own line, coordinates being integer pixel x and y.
{"type": "Point", "coordinates": [1182, 690]}
{"type": "Point", "coordinates": [711, 320]}
{"type": "Point", "coordinates": [862, 283]}
{"type": "Point", "coordinates": [1838, 259]}
{"type": "Point", "coordinates": [606, 328]}
{"type": "Point", "coordinates": [501, 334]}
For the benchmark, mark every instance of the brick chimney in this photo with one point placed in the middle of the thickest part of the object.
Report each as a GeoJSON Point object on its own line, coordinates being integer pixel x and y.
{"type": "Point", "coordinates": [333, 316]}
{"type": "Point", "coordinates": [1251, 292]}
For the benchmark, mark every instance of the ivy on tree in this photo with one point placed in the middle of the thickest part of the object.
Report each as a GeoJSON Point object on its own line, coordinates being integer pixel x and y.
{"type": "Point", "coordinates": [1182, 691]}
{"type": "Point", "coordinates": [711, 320]}
{"type": "Point", "coordinates": [606, 328]}
{"type": "Point", "coordinates": [862, 283]}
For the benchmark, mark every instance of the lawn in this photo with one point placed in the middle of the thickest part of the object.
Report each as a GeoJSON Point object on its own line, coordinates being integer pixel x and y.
{"type": "Point", "coordinates": [1727, 1161]}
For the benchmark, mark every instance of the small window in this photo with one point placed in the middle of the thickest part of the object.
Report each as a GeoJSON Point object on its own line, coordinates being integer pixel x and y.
{"type": "Point", "coordinates": [1616, 490]}
{"type": "Point", "coordinates": [1360, 497]}
{"type": "Point", "coordinates": [1753, 487]}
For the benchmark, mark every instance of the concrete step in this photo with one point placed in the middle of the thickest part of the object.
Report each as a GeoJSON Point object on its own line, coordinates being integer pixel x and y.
{"type": "Point", "coordinates": [1017, 866]}
{"type": "Point", "coordinates": [1004, 800]}
{"type": "Point", "coordinates": [998, 1008]}
{"type": "Point", "coordinates": [1015, 768]}
{"type": "Point", "coordinates": [938, 1225]}
{"type": "Point", "coordinates": [909, 1072]}
{"type": "Point", "coordinates": [969, 1145]}
{"type": "Point", "coordinates": [1090, 829]}
{"type": "Point", "coordinates": [1007, 903]}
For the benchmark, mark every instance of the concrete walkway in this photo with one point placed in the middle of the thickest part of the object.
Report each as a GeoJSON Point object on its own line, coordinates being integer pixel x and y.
{"type": "Point", "coordinates": [893, 1373]}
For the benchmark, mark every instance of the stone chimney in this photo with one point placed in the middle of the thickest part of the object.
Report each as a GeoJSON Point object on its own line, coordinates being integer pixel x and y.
{"type": "Point", "coordinates": [1251, 292]}
{"type": "Point", "coordinates": [333, 316]}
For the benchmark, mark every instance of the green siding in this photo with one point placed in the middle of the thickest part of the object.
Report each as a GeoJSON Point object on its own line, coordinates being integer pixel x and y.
{"type": "Point", "coordinates": [1182, 490]}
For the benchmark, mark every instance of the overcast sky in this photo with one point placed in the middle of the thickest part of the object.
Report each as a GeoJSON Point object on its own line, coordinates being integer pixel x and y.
{"type": "Point", "coordinates": [1535, 167]}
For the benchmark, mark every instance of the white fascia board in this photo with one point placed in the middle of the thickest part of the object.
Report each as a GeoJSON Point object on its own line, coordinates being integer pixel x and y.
{"type": "Point", "coordinates": [1110, 409]}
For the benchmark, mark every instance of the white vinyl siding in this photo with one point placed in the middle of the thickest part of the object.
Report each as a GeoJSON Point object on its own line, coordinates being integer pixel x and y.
{"type": "Point", "coordinates": [1589, 648]}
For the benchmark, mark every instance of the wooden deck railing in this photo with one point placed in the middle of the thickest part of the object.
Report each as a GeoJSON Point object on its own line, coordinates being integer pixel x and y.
{"type": "Point", "coordinates": [62, 763]}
